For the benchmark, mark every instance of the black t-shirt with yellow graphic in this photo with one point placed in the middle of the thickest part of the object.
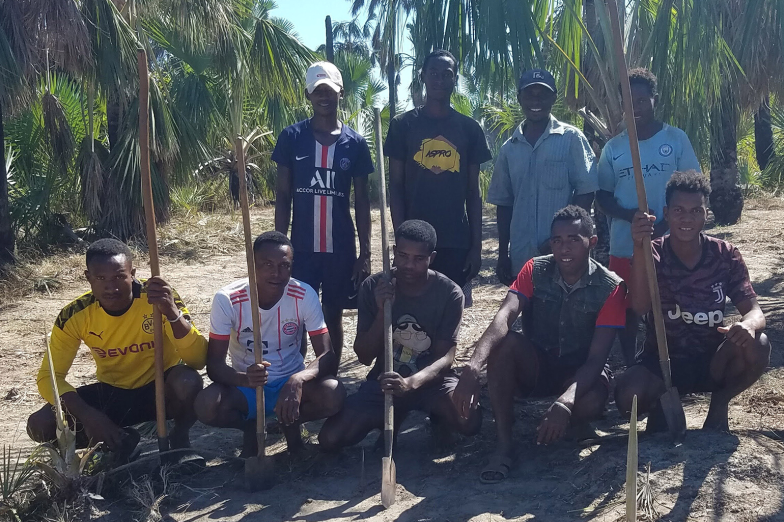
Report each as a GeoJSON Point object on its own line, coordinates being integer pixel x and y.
{"type": "Point", "coordinates": [437, 153]}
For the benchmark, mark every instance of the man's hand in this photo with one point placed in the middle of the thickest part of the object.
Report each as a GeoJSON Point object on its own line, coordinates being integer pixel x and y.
{"type": "Point", "coordinates": [384, 291]}
{"type": "Point", "coordinates": [473, 262]}
{"type": "Point", "coordinates": [159, 294]}
{"type": "Point", "coordinates": [361, 269]}
{"type": "Point", "coordinates": [503, 269]}
{"type": "Point", "coordinates": [287, 408]}
{"type": "Point", "coordinates": [257, 374]}
{"type": "Point", "coordinates": [466, 394]}
{"type": "Point", "coordinates": [395, 384]}
{"type": "Point", "coordinates": [553, 426]}
{"type": "Point", "coordinates": [739, 334]}
{"type": "Point", "coordinates": [642, 227]}
{"type": "Point", "coordinates": [100, 428]}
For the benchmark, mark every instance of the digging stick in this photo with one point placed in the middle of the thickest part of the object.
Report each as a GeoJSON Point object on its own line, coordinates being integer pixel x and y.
{"type": "Point", "coordinates": [670, 401]}
{"type": "Point", "coordinates": [388, 472]}
{"type": "Point", "coordinates": [631, 466]}
{"type": "Point", "coordinates": [152, 243]}
{"type": "Point", "coordinates": [259, 473]}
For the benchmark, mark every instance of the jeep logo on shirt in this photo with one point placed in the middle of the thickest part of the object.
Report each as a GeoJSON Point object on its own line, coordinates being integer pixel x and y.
{"type": "Point", "coordinates": [712, 318]}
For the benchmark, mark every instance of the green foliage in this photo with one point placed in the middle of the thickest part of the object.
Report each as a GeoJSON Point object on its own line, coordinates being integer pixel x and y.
{"type": "Point", "coordinates": [16, 476]}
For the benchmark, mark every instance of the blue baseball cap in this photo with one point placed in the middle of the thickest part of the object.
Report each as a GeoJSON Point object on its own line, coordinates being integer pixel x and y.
{"type": "Point", "coordinates": [536, 77]}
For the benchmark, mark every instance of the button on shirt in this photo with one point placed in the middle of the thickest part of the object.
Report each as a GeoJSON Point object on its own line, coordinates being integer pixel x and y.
{"type": "Point", "coordinates": [537, 181]}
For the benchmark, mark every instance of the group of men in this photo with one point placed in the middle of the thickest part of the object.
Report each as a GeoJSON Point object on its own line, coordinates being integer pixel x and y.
{"type": "Point", "coordinates": [543, 185]}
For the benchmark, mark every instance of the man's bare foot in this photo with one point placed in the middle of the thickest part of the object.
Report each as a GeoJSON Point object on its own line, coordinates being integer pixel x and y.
{"type": "Point", "coordinates": [718, 416]}
{"type": "Point", "coordinates": [178, 438]}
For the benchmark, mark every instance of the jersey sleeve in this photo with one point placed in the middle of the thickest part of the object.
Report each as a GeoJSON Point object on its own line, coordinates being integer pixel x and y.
{"type": "Point", "coordinates": [740, 288]}
{"type": "Point", "coordinates": [312, 315]}
{"type": "Point", "coordinates": [605, 172]}
{"type": "Point", "coordinates": [364, 165]}
{"type": "Point", "coordinates": [688, 159]}
{"type": "Point", "coordinates": [192, 348]}
{"type": "Point", "coordinates": [582, 168]}
{"type": "Point", "coordinates": [501, 192]}
{"type": "Point", "coordinates": [282, 153]}
{"type": "Point", "coordinates": [63, 346]}
{"type": "Point", "coordinates": [366, 305]}
{"type": "Point", "coordinates": [613, 313]}
{"type": "Point", "coordinates": [479, 152]}
{"type": "Point", "coordinates": [395, 144]}
{"type": "Point", "coordinates": [221, 317]}
{"type": "Point", "coordinates": [449, 327]}
{"type": "Point", "coordinates": [524, 284]}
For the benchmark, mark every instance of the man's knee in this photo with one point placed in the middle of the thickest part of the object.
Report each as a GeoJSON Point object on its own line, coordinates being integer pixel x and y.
{"type": "Point", "coordinates": [207, 405]}
{"type": "Point", "coordinates": [761, 352]}
{"type": "Point", "coordinates": [185, 383]}
{"type": "Point", "coordinates": [634, 381]}
{"type": "Point", "coordinates": [41, 425]}
{"type": "Point", "coordinates": [331, 437]}
{"type": "Point", "coordinates": [502, 357]}
{"type": "Point", "coordinates": [332, 397]}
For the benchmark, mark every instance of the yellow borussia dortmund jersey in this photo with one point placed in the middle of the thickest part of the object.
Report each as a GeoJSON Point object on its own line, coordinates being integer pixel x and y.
{"type": "Point", "coordinates": [122, 346]}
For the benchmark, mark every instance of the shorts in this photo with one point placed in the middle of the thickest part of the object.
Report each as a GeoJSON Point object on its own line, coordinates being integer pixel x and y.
{"type": "Point", "coordinates": [553, 379]}
{"type": "Point", "coordinates": [689, 374]}
{"type": "Point", "coordinates": [271, 392]}
{"type": "Point", "coordinates": [331, 273]}
{"type": "Point", "coordinates": [125, 407]}
{"type": "Point", "coordinates": [450, 262]}
{"type": "Point", "coordinates": [370, 398]}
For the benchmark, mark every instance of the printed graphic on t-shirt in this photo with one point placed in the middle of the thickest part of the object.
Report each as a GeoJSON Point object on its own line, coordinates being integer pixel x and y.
{"type": "Point", "coordinates": [410, 341]}
{"type": "Point", "coordinates": [438, 155]}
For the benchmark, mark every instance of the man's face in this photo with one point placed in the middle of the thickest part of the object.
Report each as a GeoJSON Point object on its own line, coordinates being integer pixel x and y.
{"type": "Point", "coordinates": [686, 215]}
{"type": "Point", "coordinates": [111, 281]}
{"type": "Point", "coordinates": [570, 246]}
{"type": "Point", "coordinates": [439, 78]}
{"type": "Point", "coordinates": [273, 268]}
{"type": "Point", "coordinates": [536, 102]}
{"type": "Point", "coordinates": [324, 100]}
{"type": "Point", "coordinates": [643, 103]}
{"type": "Point", "coordinates": [412, 260]}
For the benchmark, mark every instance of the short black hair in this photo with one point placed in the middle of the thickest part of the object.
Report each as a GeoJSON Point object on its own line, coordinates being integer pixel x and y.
{"type": "Point", "coordinates": [419, 231]}
{"type": "Point", "coordinates": [575, 213]}
{"type": "Point", "coordinates": [688, 181]}
{"type": "Point", "coordinates": [437, 54]}
{"type": "Point", "coordinates": [642, 76]}
{"type": "Point", "coordinates": [271, 236]}
{"type": "Point", "coordinates": [107, 248]}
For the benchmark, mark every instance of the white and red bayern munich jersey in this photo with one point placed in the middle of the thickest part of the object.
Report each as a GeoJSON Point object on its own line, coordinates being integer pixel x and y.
{"type": "Point", "coordinates": [282, 326]}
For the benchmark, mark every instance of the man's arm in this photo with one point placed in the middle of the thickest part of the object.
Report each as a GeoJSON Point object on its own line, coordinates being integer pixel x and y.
{"type": "Point", "coordinates": [743, 333]}
{"type": "Point", "coordinates": [397, 191]}
{"type": "Point", "coordinates": [444, 354]}
{"type": "Point", "coordinates": [217, 369]}
{"type": "Point", "coordinates": [583, 200]}
{"type": "Point", "coordinates": [504, 223]}
{"type": "Point", "coordinates": [283, 200]}
{"type": "Point", "coordinates": [639, 293]}
{"type": "Point", "coordinates": [369, 344]}
{"type": "Point", "coordinates": [474, 211]}
{"type": "Point", "coordinates": [608, 205]}
{"type": "Point", "coordinates": [362, 213]}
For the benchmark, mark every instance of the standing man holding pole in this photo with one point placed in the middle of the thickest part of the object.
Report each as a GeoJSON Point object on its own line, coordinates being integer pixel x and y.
{"type": "Point", "coordinates": [318, 160]}
{"type": "Point", "coordinates": [434, 157]}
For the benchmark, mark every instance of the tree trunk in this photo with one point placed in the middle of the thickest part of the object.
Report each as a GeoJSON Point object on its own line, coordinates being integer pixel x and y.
{"type": "Point", "coordinates": [330, 41]}
{"type": "Point", "coordinates": [6, 232]}
{"type": "Point", "coordinates": [763, 134]}
{"type": "Point", "coordinates": [726, 198]}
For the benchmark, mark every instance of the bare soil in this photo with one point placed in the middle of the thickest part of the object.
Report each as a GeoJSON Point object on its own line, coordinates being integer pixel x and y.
{"type": "Point", "coordinates": [735, 476]}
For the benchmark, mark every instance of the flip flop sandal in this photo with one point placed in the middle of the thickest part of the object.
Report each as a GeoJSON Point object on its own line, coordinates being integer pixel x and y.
{"type": "Point", "coordinates": [498, 465]}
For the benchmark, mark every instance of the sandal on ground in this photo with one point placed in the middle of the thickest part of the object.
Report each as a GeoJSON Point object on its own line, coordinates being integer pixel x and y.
{"type": "Point", "coordinates": [496, 470]}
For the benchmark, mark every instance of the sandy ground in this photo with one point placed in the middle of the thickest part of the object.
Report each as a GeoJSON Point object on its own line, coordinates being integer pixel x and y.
{"type": "Point", "coordinates": [734, 476]}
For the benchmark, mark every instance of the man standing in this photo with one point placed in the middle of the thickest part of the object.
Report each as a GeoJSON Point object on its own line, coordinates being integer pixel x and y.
{"type": "Point", "coordinates": [663, 150]}
{"type": "Point", "coordinates": [434, 158]}
{"type": "Point", "coordinates": [542, 168]}
{"type": "Point", "coordinates": [318, 159]}
{"type": "Point", "coordinates": [426, 312]}
{"type": "Point", "coordinates": [696, 274]}
{"type": "Point", "coordinates": [288, 309]}
{"type": "Point", "coordinates": [572, 308]}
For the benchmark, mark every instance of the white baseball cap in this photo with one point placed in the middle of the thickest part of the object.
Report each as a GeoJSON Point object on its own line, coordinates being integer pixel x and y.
{"type": "Point", "coordinates": [323, 72]}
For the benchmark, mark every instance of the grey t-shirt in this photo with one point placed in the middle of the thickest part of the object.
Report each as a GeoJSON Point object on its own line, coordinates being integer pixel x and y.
{"type": "Point", "coordinates": [417, 322]}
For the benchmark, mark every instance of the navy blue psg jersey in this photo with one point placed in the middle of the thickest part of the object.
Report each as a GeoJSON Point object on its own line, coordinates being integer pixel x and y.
{"type": "Point", "coordinates": [321, 187]}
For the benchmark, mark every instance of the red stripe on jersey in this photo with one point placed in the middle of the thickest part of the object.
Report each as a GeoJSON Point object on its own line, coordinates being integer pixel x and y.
{"type": "Point", "coordinates": [219, 337]}
{"type": "Point", "coordinates": [296, 290]}
{"type": "Point", "coordinates": [323, 227]}
{"type": "Point", "coordinates": [318, 332]}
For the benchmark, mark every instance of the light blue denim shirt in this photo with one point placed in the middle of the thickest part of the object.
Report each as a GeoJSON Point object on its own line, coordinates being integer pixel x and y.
{"type": "Point", "coordinates": [537, 181]}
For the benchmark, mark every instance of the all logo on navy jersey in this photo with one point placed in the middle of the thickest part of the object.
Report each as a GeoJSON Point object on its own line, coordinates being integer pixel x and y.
{"type": "Point", "coordinates": [325, 182]}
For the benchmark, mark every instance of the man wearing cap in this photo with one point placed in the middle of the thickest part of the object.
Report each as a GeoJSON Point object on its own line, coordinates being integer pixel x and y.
{"type": "Point", "coordinates": [318, 160]}
{"type": "Point", "coordinates": [434, 158]}
{"type": "Point", "coordinates": [543, 167]}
